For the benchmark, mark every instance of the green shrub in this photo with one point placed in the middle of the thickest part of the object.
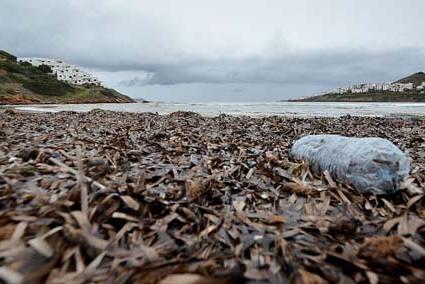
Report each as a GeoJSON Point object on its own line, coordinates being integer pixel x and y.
{"type": "Point", "coordinates": [4, 79]}
{"type": "Point", "coordinates": [45, 69]}
{"type": "Point", "coordinates": [48, 87]}
{"type": "Point", "coordinates": [25, 63]}
{"type": "Point", "coordinates": [11, 91]}
{"type": "Point", "coordinates": [11, 67]}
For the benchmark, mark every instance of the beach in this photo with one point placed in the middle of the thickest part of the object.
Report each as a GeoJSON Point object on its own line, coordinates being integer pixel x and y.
{"type": "Point", "coordinates": [119, 197]}
{"type": "Point", "coordinates": [257, 109]}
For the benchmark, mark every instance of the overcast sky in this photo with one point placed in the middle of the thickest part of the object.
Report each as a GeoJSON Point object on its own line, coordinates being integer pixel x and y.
{"type": "Point", "coordinates": [288, 47]}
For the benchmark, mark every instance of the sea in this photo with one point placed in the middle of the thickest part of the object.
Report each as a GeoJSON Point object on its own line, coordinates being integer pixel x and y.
{"type": "Point", "coordinates": [298, 109]}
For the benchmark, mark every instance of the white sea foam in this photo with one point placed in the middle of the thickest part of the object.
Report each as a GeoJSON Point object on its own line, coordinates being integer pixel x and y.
{"type": "Point", "coordinates": [302, 109]}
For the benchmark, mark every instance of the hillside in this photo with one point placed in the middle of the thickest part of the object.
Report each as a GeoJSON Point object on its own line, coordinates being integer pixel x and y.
{"type": "Point", "coordinates": [22, 83]}
{"type": "Point", "coordinates": [412, 95]}
{"type": "Point", "coordinates": [416, 79]}
{"type": "Point", "coordinates": [405, 97]}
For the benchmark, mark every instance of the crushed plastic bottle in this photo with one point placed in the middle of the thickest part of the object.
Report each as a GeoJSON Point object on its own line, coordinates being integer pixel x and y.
{"type": "Point", "coordinates": [372, 165]}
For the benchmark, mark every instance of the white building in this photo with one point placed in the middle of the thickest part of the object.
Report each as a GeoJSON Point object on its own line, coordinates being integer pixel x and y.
{"type": "Point", "coordinates": [421, 87]}
{"type": "Point", "coordinates": [64, 71]}
{"type": "Point", "coordinates": [376, 87]}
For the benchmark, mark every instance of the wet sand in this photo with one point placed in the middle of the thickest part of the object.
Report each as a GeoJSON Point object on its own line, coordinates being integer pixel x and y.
{"type": "Point", "coordinates": [135, 198]}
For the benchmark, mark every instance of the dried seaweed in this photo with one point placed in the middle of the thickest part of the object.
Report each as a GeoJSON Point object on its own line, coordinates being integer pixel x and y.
{"type": "Point", "coordinates": [104, 197]}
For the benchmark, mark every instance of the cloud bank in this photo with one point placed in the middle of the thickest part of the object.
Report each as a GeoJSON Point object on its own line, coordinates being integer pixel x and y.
{"type": "Point", "coordinates": [325, 67]}
{"type": "Point", "coordinates": [166, 42]}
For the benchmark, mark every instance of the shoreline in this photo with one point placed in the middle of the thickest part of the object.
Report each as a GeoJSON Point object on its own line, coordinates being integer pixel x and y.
{"type": "Point", "coordinates": [256, 109]}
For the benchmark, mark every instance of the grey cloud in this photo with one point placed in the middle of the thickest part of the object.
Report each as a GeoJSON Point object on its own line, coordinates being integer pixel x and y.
{"type": "Point", "coordinates": [327, 67]}
{"type": "Point", "coordinates": [190, 41]}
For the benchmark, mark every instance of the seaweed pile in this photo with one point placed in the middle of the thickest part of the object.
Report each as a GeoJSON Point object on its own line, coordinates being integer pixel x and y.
{"type": "Point", "coordinates": [105, 197]}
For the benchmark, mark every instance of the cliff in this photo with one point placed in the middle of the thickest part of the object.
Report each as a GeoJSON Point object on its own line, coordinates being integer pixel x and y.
{"type": "Point", "coordinates": [22, 83]}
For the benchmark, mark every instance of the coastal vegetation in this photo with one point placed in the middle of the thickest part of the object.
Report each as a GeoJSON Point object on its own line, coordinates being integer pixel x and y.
{"type": "Point", "coordinates": [416, 79]}
{"type": "Point", "coordinates": [23, 83]}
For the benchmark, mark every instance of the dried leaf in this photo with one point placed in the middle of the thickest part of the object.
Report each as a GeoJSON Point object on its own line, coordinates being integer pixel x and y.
{"type": "Point", "coordinates": [307, 277]}
{"type": "Point", "coordinates": [294, 187]}
{"type": "Point", "coordinates": [42, 247]}
{"type": "Point", "coordinates": [380, 247]}
{"type": "Point", "coordinates": [19, 231]}
{"type": "Point", "coordinates": [130, 202]}
{"type": "Point", "coordinates": [10, 277]}
{"type": "Point", "coordinates": [188, 278]}
{"type": "Point", "coordinates": [372, 277]}
{"type": "Point", "coordinates": [329, 179]}
{"type": "Point", "coordinates": [142, 198]}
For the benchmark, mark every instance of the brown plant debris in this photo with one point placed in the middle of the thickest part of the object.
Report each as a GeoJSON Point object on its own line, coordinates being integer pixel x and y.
{"type": "Point", "coordinates": [104, 197]}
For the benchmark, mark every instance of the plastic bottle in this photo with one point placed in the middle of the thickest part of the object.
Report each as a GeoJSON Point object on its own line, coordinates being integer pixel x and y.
{"type": "Point", "coordinates": [372, 165]}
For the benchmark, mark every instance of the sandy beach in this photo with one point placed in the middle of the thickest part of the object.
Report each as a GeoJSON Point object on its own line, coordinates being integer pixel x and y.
{"type": "Point", "coordinates": [116, 197]}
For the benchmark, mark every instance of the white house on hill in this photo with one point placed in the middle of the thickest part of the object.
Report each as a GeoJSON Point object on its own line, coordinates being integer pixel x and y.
{"type": "Point", "coordinates": [64, 71]}
{"type": "Point", "coordinates": [365, 88]}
